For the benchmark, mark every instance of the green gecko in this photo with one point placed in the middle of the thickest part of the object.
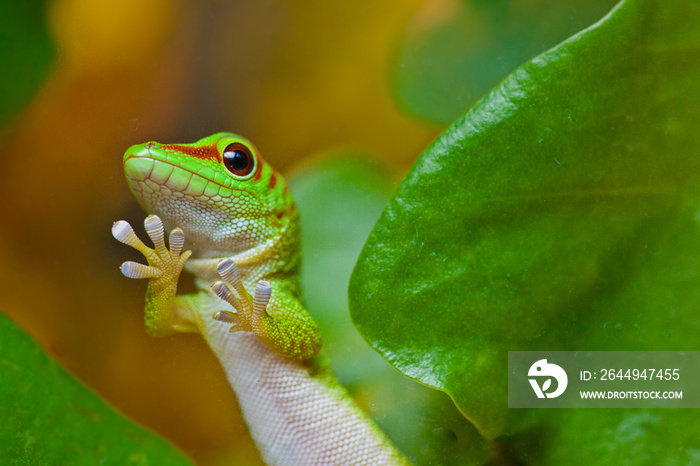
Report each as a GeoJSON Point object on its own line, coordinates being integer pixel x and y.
{"type": "Point", "coordinates": [240, 221]}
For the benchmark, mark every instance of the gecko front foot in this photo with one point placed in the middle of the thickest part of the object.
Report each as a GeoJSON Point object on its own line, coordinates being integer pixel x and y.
{"type": "Point", "coordinates": [249, 310]}
{"type": "Point", "coordinates": [162, 264]}
{"type": "Point", "coordinates": [289, 332]}
{"type": "Point", "coordinates": [163, 270]}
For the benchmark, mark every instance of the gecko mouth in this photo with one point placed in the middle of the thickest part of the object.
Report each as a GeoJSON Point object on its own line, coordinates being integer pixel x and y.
{"type": "Point", "coordinates": [151, 171]}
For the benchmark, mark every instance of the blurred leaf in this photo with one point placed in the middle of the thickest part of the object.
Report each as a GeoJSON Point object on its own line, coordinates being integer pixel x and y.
{"type": "Point", "coordinates": [50, 418]}
{"type": "Point", "coordinates": [25, 53]}
{"type": "Point", "coordinates": [559, 213]}
{"type": "Point", "coordinates": [339, 200]}
{"type": "Point", "coordinates": [610, 436]}
{"type": "Point", "coordinates": [455, 51]}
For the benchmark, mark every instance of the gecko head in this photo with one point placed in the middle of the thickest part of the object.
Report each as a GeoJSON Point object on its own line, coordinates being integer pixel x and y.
{"type": "Point", "coordinates": [218, 190]}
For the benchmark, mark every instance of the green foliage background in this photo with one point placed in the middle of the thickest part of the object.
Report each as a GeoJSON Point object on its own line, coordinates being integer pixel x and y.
{"type": "Point", "coordinates": [50, 418]}
{"type": "Point", "coordinates": [26, 53]}
{"type": "Point", "coordinates": [559, 213]}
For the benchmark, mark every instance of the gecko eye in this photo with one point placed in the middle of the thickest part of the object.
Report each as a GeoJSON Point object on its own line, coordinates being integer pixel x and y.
{"type": "Point", "coordinates": [238, 159]}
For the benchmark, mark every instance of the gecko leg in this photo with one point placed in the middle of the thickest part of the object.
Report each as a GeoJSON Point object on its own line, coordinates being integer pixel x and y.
{"type": "Point", "coordinates": [164, 312]}
{"type": "Point", "coordinates": [285, 327]}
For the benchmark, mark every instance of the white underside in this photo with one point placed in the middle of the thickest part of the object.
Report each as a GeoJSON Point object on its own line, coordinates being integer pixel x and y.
{"type": "Point", "coordinates": [294, 417]}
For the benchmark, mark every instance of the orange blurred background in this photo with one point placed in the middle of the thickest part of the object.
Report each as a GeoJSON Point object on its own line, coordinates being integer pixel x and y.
{"type": "Point", "coordinates": [296, 77]}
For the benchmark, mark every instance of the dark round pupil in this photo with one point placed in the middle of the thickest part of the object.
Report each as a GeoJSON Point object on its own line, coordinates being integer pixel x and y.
{"type": "Point", "coordinates": [237, 159]}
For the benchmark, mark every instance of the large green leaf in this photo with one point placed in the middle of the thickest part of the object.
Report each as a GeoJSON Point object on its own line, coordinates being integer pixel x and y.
{"type": "Point", "coordinates": [612, 436]}
{"type": "Point", "coordinates": [50, 418]}
{"type": "Point", "coordinates": [560, 212]}
{"type": "Point", "coordinates": [451, 57]}
{"type": "Point", "coordinates": [25, 53]}
{"type": "Point", "coordinates": [340, 198]}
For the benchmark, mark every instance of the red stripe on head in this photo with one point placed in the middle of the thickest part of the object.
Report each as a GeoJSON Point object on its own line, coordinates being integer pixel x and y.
{"type": "Point", "coordinates": [201, 152]}
{"type": "Point", "coordinates": [273, 180]}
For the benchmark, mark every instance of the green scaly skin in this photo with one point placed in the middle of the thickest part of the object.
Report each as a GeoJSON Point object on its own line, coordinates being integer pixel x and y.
{"type": "Point", "coordinates": [241, 224]}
